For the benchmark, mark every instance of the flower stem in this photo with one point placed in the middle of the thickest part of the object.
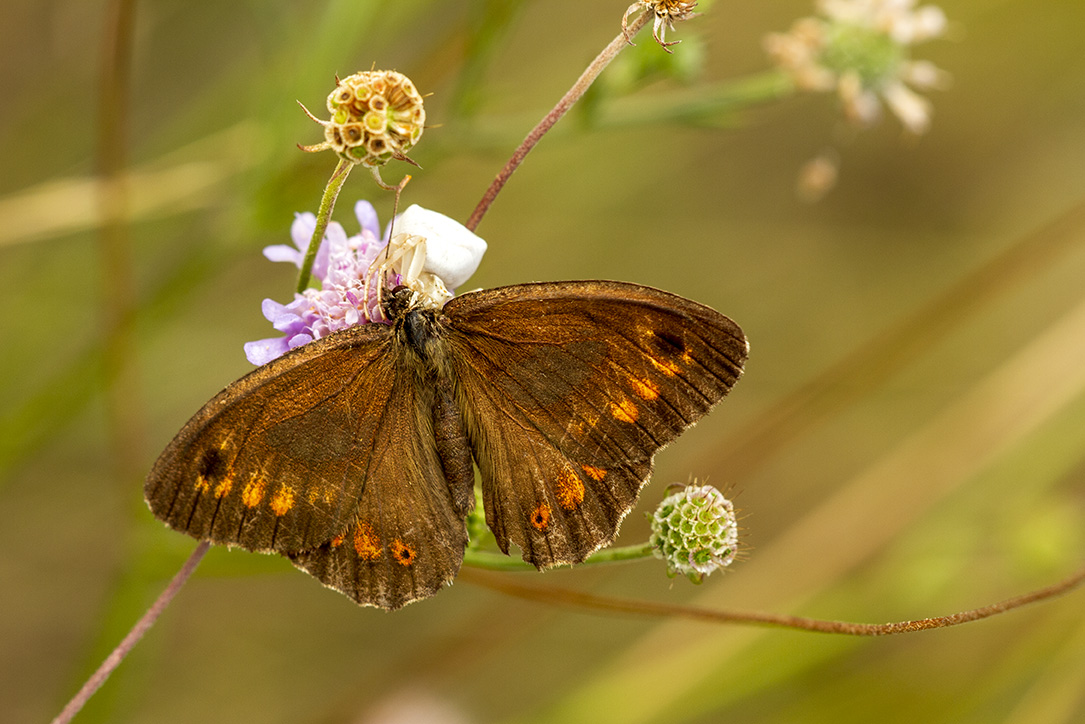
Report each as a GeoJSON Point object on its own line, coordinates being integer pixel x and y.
{"type": "Point", "coordinates": [128, 643]}
{"type": "Point", "coordinates": [324, 215]}
{"type": "Point", "coordinates": [609, 605]}
{"type": "Point", "coordinates": [572, 96]}
{"type": "Point", "coordinates": [501, 562]}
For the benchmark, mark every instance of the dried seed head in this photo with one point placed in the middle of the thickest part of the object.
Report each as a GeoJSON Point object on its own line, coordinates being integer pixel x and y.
{"type": "Point", "coordinates": [376, 115]}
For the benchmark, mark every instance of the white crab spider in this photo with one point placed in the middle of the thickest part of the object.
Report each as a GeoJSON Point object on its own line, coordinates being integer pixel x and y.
{"type": "Point", "coordinates": [406, 257]}
{"type": "Point", "coordinates": [431, 253]}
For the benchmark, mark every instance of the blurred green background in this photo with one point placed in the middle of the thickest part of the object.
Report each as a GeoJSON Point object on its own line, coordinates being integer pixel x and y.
{"type": "Point", "coordinates": [908, 441]}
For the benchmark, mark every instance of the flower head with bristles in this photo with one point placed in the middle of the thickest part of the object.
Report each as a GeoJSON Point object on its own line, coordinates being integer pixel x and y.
{"type": "Point", "coordinates": [429, 253]}
{"type": "Point", "coordinates": [376, 115]}
{"type": "Point", "coordinates": [342, 266]}
{"type": "Point", "coordinates": [695, 531]}
{"type": "Point", "coordinates": [667, 13]}
{"type": "Point", "coordinates": [861, 49]}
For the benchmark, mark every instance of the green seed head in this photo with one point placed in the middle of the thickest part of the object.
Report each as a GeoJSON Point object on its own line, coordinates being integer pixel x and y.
{"type": "Point", "coordinates": [694, 530]}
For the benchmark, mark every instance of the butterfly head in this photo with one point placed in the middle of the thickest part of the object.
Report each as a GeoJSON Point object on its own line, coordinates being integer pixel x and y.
{"type": "Point", "coordinates": [398, 302]}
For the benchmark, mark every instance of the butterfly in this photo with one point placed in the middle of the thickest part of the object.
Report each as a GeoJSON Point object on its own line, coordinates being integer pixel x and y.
{"type": "Point", "coordinates": [354, 456]}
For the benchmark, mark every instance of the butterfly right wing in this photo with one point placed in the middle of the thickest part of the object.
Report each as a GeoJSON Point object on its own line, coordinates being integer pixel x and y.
{"type": "Point", "coordinates": [271, 463]}
{"type": "Point", "coordinates": [569, 389]}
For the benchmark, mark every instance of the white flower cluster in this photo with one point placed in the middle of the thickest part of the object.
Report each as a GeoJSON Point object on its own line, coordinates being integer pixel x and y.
{"type": "Point", "coordinates": [861, 49]}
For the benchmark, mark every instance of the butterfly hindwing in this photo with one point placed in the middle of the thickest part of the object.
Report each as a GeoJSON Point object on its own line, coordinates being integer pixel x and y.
{"type": "Point", "coordinates": [569, 389]}
{"type": "Point", "coordinates": [408, 537]}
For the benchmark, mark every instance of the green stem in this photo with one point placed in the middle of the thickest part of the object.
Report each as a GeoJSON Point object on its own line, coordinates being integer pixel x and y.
{"type": "Point", "coordinates": [500, 562]}
{"type": "Point", "coordinates": [703, 104]}
{"type": "Point", "coordinates": [324, 215]}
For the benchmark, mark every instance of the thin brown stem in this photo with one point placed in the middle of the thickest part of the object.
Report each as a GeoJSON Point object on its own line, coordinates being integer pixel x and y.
{"type": "Point", "coordinates": [572, 96]}
{"type": "Point", "coordinates": [134, 635]}
{"type": "Point", "coordinates": [606, 604]}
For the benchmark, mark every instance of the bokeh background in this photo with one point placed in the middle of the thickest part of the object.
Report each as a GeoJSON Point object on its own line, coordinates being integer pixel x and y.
{"type": "Point", "coordinates": [908, 441]}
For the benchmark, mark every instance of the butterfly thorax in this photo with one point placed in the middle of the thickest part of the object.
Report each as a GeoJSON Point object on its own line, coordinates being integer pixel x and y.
{"type": "Point", "coordinates": [418, 330]}
{"type": "Point", "coordinates": [423, 352]}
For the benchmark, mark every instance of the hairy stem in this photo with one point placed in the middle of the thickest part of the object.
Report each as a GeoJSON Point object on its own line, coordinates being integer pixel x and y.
{"type": "Point", "coordinates": [609, 605]}
{"type": "Point", "coordinates": [323, 216]}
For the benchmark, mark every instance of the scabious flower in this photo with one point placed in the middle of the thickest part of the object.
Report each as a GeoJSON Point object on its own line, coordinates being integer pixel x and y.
{"type": "Point", "coordinates": [428, 250]}
{"type": "Point", "coordinates": [341, 265]}
{"type": "Point", "coordinates": [861, 49]}
{"type": "Point", "coordinates": [695, 531]}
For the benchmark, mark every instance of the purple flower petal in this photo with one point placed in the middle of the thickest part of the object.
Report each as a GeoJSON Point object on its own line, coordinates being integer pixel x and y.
{"type": "Point", "coordinates": [299, 339]}
{"type": "Point", "coordinates": [263, 351]}
{"type": "Point", "coordinates": [282, 252]}
{"type": "Point", "coordinates": [341, 265]}
{"type": "Point", "coordinates": [301, 231]}
{"type": "Point", "coordinates": [367, 218]}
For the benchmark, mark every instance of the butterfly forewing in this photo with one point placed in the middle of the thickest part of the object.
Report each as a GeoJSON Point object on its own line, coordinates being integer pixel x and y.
{"type": "Point", "coordinates": [569, 389]}
{"type": "Point", "coordinates": [276, 461]}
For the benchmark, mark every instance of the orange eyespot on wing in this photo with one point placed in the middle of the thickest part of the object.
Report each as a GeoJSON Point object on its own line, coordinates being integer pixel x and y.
{"type": "Point", "coordinates": [403, 553]}
{"type": "Point", "coordinates": [367, 544]}
{"type": "Point", "coordinates": [540, 517]}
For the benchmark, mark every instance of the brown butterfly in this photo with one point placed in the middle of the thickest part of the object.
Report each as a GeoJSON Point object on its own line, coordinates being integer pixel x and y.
{"type": "Point", "coordinates": [354, 455]}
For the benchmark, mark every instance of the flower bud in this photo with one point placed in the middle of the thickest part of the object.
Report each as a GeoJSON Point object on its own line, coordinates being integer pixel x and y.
{"type": "Point", "coordinates": [695, 531]}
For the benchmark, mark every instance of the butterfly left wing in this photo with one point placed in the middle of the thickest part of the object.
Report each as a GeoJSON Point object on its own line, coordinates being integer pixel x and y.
{"type": "Point", "coordinates": [268, 463]}
{"type": "Point", "coordinates": [326, 455]}
{"type": "Point", "coordinates": [568, 390]}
